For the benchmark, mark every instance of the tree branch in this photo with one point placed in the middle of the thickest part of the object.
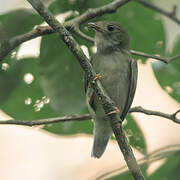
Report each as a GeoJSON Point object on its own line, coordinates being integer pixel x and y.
{"type": "Point", "coordinates": [171, 15]}
{"type": "Point", "coordinates": [163, 59]}
{"type": "Point", "coordinates": [137, 109]}
{"type": "Point", "coordinates": [45, 30]}
{"type": "Point", "coordinates": [172, 117]}
{"type": "Point", "coordinates": [8, 45]}
{"type": "Point", "coordinates": [73, 25]}
{"type": "Point", "coordinates": [107, 103]}
{"type": "Point", "coordinates": [47, 121]}
{"type": "Point", "coordinates": [92, 13]}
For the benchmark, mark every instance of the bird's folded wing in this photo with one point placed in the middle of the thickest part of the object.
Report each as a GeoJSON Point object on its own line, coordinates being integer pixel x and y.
{"type": "Point", "coordinates": [132, 87]}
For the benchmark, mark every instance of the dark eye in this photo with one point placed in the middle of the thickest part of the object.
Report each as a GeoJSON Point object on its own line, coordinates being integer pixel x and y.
{"type": "Point", "coordinates": [110, 27]}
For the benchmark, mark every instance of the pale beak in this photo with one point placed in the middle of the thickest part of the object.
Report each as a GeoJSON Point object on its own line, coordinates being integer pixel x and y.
{"type": "Point", "coordinates": [94, 26]}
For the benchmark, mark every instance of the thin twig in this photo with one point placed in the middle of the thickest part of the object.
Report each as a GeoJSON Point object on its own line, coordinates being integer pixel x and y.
{"type": "Point", "coordinates": [107, 103]}
{"type": "Point", "coordinates": [172, 117]}
{"type": "Point", "coordinates": [163, 59]}
{"type": "Point", "coordinates": [173, 58]}
{"type": "Point", "coordinates": [73, 25]}
{"type": "Point", "coordinates": [81, 34]}
{"type": "Point", "coordinates": [92, 13]}
{"type": "Point", "coordinates": [45, 30]}
{"type": "Point", "coordinates": [47, 121]}
{"type": "Point", "coordinates": [171, 15]}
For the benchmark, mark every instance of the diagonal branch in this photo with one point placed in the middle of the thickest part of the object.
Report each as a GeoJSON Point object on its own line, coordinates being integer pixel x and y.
{"type": "Point", "coordinates": [171, 15]}
{"type": "Point", "coordinates": [73, 25]}
{"type": "Point", "coordinates": [45, 30]}
{"type": "Point", "coordinates": [107, 103]}
{"type": "Point", "coordinates": [8, 46]}
{"type": "Point", "coordinates": [92, 13]}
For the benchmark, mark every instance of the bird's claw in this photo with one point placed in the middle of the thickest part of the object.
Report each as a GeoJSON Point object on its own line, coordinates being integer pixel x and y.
{"type": "Point", "coordinates": [98, 77]}
{"type": "Point", "coordinates": [116, 111]}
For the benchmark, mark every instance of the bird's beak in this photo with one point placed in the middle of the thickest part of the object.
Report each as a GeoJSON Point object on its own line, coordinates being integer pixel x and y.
{"type": "Point", "coordinates": [94, 26]}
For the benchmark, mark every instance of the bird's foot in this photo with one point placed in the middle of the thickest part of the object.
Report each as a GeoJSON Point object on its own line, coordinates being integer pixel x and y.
{"type": "Point", "coordinates": [98, 77]}
{"type": "Point", "coordinates": [116, 111]}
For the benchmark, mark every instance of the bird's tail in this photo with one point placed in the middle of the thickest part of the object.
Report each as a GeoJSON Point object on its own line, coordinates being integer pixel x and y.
{"type": "Point", "coordinates": [102, 133]}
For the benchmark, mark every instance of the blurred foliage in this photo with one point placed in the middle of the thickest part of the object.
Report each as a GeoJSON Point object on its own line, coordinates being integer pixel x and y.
{"type": "Point", "coordinates": [58, 77]}
{"type": "Point", "coordinates": [135, 135]}
{"type": "Point", "coordinates": [61, 76]}
{"type": "Point", "coordinates": [168, 76]}
{"type": "Point", "coordinates": [127, 175]}
{"type": "Point", "coordinates": [61, 6]}
{"type": "Point", "coordinates": [169, 170]}
{"type": "Point", "coordinates": [13, 22]}
{"type": "Point", "coordinates": [16, 91]}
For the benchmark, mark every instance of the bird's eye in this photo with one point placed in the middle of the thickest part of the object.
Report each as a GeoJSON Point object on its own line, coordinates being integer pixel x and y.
{"type": "Point", "coordinates": [110, 28]}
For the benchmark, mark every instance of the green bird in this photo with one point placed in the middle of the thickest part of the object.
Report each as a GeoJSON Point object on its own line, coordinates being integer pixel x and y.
{"type": "Point", "coordinates": [118, 76]}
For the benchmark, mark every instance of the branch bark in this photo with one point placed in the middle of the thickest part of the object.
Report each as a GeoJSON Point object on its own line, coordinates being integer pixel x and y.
{"type": "Point", "coordinates": [73, 26]}
{"type": "Point", "coordinates": [137, 109]}
{"type": "Point", "coordinates": [47, 121]}
{"type": "Point", "coordinates": [172, 117]}
{"type": "Point", "coordinates": [106, 102]}
{"type": "Point", "coordinates": [45, 30]}
{"type": "Point", "coordinates": [163, 59]}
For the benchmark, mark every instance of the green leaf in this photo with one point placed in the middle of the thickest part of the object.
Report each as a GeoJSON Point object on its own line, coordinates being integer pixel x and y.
{"type": "Point", "coordinates": [135, 135]}
{"type": "Point", "coordinates": [62, 80]}
{"type": "Point", "coordinates": [60, 6]}
{"type": "Point", "coordinates": [73, 127]}
{"type": "Point", "coordinates": [168, 75]}
{"type": "Point", "coordinates": [13, 89]}
{"type": "Point", "coordinates": [16, 101]}
{"type": "Point", "coordinates": [9, 78]}
{"type": "Point", "coordinates": [61, 77]}
{"type": "Point", "coordinates": [169, 170]}
{"type": "Point", "coordinates": [19, 21]}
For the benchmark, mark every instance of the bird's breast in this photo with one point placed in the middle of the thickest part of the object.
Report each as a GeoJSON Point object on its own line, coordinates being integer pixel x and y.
{"type": "Point", "coordinates": [115, 72]}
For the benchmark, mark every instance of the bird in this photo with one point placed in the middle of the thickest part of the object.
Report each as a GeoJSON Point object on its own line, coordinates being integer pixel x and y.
{"type": "Point", "coordinates": [117, 71]}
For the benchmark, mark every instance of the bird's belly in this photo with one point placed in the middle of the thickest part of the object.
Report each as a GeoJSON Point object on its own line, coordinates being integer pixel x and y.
{"type": "Point", "coordinates": [115, 80]}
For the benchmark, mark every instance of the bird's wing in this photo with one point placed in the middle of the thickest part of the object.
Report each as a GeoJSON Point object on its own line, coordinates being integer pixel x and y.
{"type": "Point", "coordinates": [132, 87]}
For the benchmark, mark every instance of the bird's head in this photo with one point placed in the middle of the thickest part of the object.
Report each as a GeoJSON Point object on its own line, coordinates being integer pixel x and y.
{"type": "Point", "coordinates": [110, 36]}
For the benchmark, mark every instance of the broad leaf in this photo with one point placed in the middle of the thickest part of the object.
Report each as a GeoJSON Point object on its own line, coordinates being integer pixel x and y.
{"type": "Point", "coordinates": [26, 101]}
{"type": "Point", "coordinates": [61, 77]}
{"type": "Point", "coordinates": [135, 135]}
{"type": "Point", "coordinates": [168, 75]}
{"type": "Point", "coordinates": [19, 21]}
{"type": "Point", "coordinates": [169, 170]}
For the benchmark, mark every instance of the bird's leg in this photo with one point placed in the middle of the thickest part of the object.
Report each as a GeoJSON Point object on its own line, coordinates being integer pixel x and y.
{"type": "Point", "coordinates": [98, 77]}
{"type": "Point", "coordinates": [116, 111]}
